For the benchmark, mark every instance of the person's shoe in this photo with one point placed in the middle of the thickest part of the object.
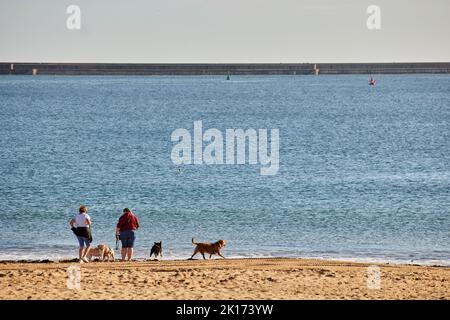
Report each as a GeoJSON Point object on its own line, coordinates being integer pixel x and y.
{"type": "Point", "coordinates": [85, 260]}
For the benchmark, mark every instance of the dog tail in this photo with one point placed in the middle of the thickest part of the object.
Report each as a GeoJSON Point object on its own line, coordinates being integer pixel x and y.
{"type": "Point", "coordinates": [193, 241]}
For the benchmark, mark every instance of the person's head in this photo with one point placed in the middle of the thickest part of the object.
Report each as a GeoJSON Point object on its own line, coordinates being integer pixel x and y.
{"type": "Point", "coordinates": [83, 209]}
{"type": "Point", "coordinates": [126, 210]}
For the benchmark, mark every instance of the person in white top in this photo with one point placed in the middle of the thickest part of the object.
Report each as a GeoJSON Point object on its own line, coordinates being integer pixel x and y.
{"type": "Point", "coordinates": [81, 227]}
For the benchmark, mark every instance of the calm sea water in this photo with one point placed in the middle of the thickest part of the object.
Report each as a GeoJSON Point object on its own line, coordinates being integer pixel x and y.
{"type": "Point", "coordinates": [364, 173]}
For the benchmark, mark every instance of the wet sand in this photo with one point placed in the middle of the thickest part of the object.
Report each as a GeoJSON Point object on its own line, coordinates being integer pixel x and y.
{"type": "Point", "coordinates": [223, 279]}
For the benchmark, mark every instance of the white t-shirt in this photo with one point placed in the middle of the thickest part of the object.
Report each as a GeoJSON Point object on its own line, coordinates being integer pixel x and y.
{"type": "Point", "coordinates": [80, 219]}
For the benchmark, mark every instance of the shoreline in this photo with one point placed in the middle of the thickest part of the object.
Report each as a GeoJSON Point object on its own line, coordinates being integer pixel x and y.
{"type": "Point", "coordinates": [345, 260]}
{"type": "Point", "coordinates": [252, 278]}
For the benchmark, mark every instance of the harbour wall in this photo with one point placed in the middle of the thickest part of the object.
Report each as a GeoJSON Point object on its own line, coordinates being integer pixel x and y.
{"type": "Point", "coordinates": [220, 68]}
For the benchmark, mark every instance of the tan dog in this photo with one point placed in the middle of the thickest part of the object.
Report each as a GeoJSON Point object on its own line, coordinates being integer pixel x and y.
{"type": "Point", "coordinates": [100, 251]}
{"type": "Point", "coordinates": [109, 255]}
{"type": "Point", "coordinates": [211, 248]}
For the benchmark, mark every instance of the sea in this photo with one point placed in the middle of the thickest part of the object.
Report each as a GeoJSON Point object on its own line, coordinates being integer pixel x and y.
{"type": "Point", "coordinates": [364, 171]}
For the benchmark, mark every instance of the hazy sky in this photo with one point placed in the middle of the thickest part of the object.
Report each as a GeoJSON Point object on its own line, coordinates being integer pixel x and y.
{"type": "Point", "coordinates": [224, 31]}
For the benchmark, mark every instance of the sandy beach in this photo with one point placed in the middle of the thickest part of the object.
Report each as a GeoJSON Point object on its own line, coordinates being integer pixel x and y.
{"type": "Point", "coordinates": [223, 279]}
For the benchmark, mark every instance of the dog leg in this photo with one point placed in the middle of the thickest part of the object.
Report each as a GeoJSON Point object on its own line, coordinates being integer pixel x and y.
{"type": "Point", "coordinates": [203, 256]}
{"type": "Point", "coordinates": [195, 252]}
{"type": "Point", "coordinates": [220, 255]}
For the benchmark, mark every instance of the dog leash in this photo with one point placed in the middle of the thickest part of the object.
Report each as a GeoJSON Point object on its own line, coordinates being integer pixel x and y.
{"type": "Point", "coordinates": [117, 241]}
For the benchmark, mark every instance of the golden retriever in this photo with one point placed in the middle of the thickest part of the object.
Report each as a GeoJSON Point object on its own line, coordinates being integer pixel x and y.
{"type": "Point", "coordinates": [210, 248]}
{"type": "Point", "coordinates": [100, 252]}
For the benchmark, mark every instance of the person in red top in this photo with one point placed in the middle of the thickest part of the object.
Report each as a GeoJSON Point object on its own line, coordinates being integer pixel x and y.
{"type": "Point", "coordinates": [126, 226]}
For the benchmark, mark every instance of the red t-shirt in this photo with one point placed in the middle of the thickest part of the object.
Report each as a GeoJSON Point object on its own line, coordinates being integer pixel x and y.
{"type": "Point", "coordinates": [128, 221]}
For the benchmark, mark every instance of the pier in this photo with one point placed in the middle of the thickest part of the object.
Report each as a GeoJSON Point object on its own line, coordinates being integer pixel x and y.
{"type": "Point", "coordinates": [15, 68]}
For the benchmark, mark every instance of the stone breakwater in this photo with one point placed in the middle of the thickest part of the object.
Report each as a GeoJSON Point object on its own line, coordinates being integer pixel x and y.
{"type": "Point", "coordinates": [220, 68]}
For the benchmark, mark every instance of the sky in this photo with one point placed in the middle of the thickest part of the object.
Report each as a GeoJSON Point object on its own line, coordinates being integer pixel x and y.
{"type": "Point", "coordinates": [227, 31]}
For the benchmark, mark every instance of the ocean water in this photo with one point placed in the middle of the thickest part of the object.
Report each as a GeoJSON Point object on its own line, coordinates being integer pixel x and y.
{"type": "Point", "coordinates": [364, 171]}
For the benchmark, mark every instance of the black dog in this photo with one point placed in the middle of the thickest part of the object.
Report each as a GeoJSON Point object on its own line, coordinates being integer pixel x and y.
{"type": "Point", "coordinates": [156, 249]}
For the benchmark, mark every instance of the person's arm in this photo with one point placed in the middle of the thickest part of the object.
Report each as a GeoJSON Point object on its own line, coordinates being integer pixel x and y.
{"type": "Point", "coordinates": [119, 225]}
{"type": "Point", "coordinates": [88, 221]}
{"type": "Point", "coordinates": [71, 222]}
{"type": "Point", "coordinates": [137, 223]}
